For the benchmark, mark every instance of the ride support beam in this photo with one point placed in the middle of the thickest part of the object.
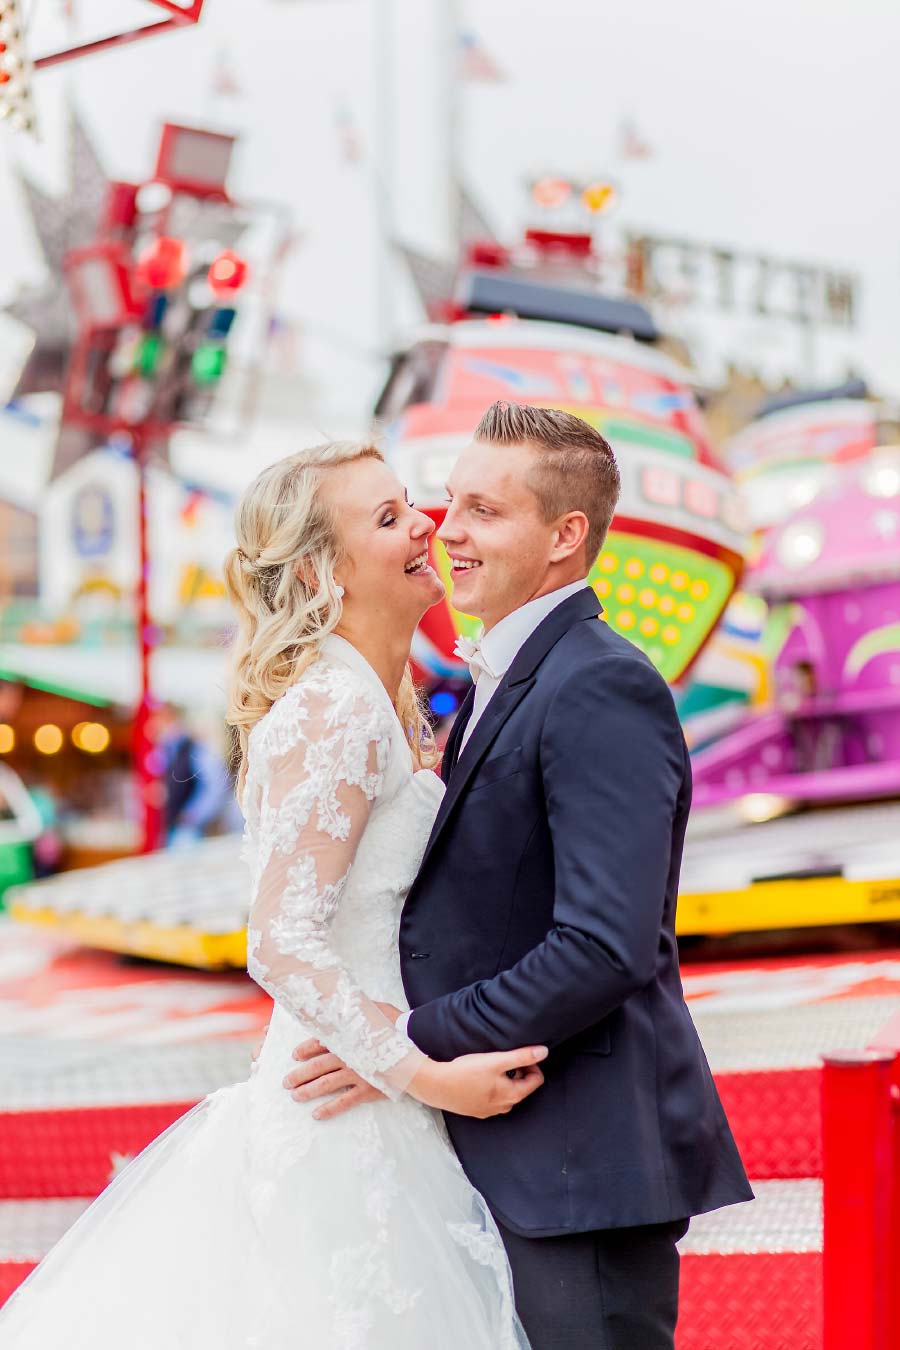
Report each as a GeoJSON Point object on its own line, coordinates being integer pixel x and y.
{"type": "Point", "coordinates": [181, 16]}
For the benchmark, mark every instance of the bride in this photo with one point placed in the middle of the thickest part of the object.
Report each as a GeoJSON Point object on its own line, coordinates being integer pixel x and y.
{"type": "Point", "coordinates": [252, 1222]}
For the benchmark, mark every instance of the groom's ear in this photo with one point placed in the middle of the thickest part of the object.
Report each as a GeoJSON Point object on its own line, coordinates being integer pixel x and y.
{"type": "Point", "coordinates": [570, 536]}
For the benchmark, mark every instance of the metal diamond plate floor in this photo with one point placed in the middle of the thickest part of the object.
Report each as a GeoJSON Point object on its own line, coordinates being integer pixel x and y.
{"type": "Point", "coordinates": [786, 1216]}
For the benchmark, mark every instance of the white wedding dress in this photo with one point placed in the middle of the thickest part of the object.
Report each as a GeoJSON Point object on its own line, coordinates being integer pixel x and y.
{"type": "Point", "coordinates": [248, 1223]}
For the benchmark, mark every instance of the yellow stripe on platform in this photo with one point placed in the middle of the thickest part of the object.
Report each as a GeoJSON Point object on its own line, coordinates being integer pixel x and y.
{"type": "Point", "coordinates": [808, 902]}
{"type": "Point", "coordinates": [183, 945]}
{"type": "Point", "coordinates": [766, 905]}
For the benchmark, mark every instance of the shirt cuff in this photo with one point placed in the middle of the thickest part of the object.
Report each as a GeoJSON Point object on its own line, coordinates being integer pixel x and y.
{"type": "Point", "coordinates": [402, 1024]}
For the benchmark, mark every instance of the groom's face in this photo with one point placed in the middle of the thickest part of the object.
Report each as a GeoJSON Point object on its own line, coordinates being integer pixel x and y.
{"type": "Point", "coordinates": [498, 542]}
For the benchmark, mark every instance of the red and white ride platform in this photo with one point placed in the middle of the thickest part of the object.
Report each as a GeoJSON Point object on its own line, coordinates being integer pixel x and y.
{"type": "Point", "coordinates": [99, 1053]}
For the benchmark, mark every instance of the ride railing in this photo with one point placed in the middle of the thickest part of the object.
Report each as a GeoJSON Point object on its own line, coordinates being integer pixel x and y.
{"type": "Point", "coordinates": [861, 1196]}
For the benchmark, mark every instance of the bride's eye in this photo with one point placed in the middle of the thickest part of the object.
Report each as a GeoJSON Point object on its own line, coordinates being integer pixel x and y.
{"type": "Point", "coordinates": [389, 520]}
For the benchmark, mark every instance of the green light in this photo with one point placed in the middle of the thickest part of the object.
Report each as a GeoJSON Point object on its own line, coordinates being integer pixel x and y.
{"type": "Point", "coordinates": [147, 355]}
{"type": "Point", "coordinates": [208, 363]}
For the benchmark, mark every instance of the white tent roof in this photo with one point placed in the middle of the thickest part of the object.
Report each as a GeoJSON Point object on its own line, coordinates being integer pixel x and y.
{"type": "Point", "coordinates": [190, 677]}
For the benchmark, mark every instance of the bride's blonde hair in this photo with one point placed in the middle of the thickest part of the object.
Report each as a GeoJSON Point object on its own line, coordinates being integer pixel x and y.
{"type": "Point", "coordinates": [280, 580]}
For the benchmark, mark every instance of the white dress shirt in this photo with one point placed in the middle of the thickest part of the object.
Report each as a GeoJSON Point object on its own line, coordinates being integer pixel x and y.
{"type": "Point", "coordinates": [499, 647]}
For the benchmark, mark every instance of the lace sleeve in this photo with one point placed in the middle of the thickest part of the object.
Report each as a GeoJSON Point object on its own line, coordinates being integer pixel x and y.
{"type": "Point", "coordinates": [323, 763]}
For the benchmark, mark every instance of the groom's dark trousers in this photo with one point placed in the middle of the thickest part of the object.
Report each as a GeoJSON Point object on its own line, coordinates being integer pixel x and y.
{"type": "Point", "coordinates": [615, 1290]}
{"type": "Point", "coordinates": [544, 914]}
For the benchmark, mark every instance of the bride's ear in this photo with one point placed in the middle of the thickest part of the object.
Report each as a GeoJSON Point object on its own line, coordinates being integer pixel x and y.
{"type": "Point", "coordinates": [305, 575]}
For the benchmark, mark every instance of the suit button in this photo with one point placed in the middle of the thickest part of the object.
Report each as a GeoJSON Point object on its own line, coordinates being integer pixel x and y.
{"type": "Point", "coordinates": [419, 956]}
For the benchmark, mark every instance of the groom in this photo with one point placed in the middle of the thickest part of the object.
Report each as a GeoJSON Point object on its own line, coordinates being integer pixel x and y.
{"type": "Point", "coordinates": [544, 909]}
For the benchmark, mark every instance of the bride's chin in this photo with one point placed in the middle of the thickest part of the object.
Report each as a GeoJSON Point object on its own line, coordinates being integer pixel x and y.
{"type": "Point", "coordinates": [439, 594]}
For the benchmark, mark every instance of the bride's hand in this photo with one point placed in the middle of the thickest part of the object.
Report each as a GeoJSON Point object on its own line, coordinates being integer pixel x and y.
{"type": "Point", "coordinates": [480, 1085]}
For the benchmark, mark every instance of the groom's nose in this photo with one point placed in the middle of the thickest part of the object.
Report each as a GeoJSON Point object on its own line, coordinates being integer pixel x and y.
{"type": "Point", "coordinates": [448, 529]}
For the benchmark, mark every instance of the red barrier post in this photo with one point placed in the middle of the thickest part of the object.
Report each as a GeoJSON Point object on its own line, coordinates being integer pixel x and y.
{"type": "Point", "coordinates": [857, 1167]}
{"type": "Point", "coordinates": [893, 1255]}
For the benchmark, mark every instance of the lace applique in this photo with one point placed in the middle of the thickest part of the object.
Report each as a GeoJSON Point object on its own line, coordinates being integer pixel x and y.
{"type": "Point", "coordinates": [316, 767]}
{"type": "Point", "coordinates": [485, 1247]}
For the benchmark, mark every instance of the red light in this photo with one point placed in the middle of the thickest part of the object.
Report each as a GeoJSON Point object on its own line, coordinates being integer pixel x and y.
{"type": "Point", "coordinates": [487, 253]}
{"type": "Point", "coordinates": [163, 265]}
{"type": "Point", "coordinates": [4, 77]}
{"type": "Point", "coordinates": [227, 274]}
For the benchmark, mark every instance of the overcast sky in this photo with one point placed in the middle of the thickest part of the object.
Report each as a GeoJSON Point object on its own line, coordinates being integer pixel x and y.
{"type": "Point", "coordinates": [773, 127]}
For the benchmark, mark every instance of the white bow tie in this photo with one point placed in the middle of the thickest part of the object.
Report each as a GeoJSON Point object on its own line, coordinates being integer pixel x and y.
{"type": "Point", "coordinates": [470, 651]}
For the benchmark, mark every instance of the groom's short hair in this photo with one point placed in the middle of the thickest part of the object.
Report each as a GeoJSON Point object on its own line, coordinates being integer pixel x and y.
{"type": "Point", "coordinates": [575, 468]}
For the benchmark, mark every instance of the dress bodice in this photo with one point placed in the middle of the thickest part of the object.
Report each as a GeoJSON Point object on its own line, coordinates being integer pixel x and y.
{"type": "Point", "coordinates": [366, 928]}
{"type": "Point", "coordinates": [336, 824]}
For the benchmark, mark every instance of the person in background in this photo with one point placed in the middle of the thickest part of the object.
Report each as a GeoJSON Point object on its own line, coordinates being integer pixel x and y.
{"type": "Point", "coordinates": [198, 787]}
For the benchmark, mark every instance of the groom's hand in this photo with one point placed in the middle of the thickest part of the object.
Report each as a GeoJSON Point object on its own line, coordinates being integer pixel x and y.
{"type": "Point", "coordinates": [322, 1074]}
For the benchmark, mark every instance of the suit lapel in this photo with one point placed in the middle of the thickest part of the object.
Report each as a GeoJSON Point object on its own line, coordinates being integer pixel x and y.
{"type": "Point", "coordinates": [461, 721]}
{"type": "Point", "coordinates": [516, 683]}
{"type": "Point", "coordinates": [495, 714]}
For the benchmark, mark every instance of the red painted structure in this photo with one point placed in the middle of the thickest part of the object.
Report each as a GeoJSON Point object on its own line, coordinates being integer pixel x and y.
{"type": "Point", "coordinates": [181, 15]}
{"type": "Point", "coordinates": [122, 283]}
{"type": "Point", "coordinates": [861, 1157]}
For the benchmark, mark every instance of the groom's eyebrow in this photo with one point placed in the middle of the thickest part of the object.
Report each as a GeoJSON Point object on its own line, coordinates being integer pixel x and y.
{"type": "Point", "coordinates": [480, 497]}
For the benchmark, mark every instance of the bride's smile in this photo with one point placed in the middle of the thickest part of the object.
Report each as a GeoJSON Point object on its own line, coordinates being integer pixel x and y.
{"type": "Point", "coordinates": [384, 568]}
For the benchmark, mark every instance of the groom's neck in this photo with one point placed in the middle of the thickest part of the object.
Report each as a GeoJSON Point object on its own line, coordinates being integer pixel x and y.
{"type": "Point", "coordinates": [549, 585]}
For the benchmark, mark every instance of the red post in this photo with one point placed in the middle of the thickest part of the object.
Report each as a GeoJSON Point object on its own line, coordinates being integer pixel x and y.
{"type": "Point", "coordinates": [145, 753]}
{"type": "Point", "coordinates": [892, 1258]}
{"type": "Point", "coordinates": [857, 1167]}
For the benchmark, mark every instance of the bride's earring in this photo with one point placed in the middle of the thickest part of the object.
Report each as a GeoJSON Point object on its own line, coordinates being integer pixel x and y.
{"type": "Point", "coordinates": [339, 592]}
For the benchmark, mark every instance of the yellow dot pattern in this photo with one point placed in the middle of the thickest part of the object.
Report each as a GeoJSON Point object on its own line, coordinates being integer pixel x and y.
{"type": "Point", "coordinates": [671, 617]}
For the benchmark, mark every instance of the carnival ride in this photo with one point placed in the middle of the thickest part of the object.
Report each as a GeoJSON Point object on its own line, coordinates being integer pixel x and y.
{"type": "Point", "coordinates": [675, 551]}
{"type": "Point", "coordinates": [778, 462]}
{"type": "Point", "coordinates": [821, 731]}
{"type": "Point", "coordinates": [668, 568]}
{"type": "Point", "coordinates": [824, 750]}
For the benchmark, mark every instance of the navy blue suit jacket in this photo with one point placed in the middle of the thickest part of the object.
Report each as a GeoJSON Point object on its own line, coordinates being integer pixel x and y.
{"type": "Point", "coordinates": [544, 914]}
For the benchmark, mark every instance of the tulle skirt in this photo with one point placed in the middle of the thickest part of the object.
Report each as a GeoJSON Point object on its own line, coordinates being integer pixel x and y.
{"type": "Point", "coordinates": [248, 1224]}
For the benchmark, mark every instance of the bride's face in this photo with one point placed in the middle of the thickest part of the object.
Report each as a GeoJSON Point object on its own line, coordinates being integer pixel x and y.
{"type": "Point", "coordinates": [385, 572]}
